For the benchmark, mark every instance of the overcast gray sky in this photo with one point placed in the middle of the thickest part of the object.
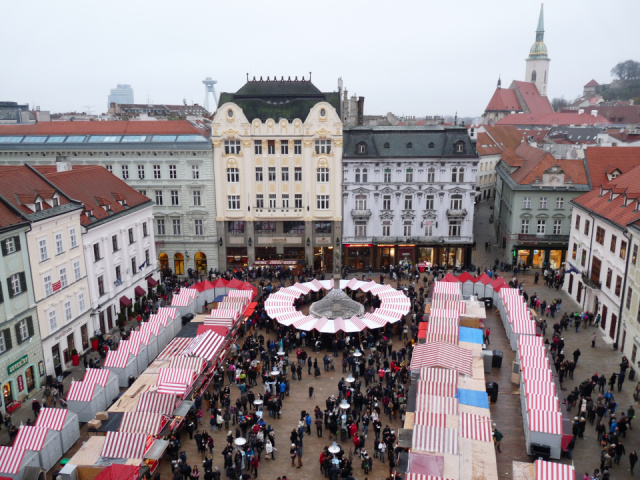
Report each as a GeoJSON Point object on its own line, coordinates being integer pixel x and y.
{"type": "Point", "coordinates": [408, 57]}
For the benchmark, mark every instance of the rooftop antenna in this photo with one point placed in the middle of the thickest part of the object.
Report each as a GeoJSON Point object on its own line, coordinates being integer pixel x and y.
{"type": "Point", "coordinates": [209, 88]}
{"type": "Point", "coordinates": [87, 109]}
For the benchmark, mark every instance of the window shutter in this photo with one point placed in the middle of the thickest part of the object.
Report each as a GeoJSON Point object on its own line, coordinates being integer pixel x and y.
{"type": "Point", "coordinates": [23, 282]}
{"type": "Point", "coordinates": [4, 248]}
{"type": "Point", "coordinates": [9, 287]}
{"type": "Point", "coordinates": [7, 338]}
{"type": "Point", "coordinates": [17, 327]}
{"type": "Point", "coordinates": [30, 326]}
{"type": "Point", "coordinates": [16, 241]}
{"type": "Point", "coordinates": [1, 296]}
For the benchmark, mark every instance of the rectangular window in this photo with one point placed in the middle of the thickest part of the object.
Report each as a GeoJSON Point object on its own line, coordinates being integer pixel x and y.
{"type": "Point", "coordinates": [233, 175]}
{"type": "Point", "coordinates": [407, 228]}
{"type": "Point", "coordinates": [524, 226]}
{"type": "Point", "coordinates": [64, 281]}
{"type": "Point", "coordinates": [431, 175]}
{"type": "Point", "coordinates": [408, 202]}
{"type": "Point", "coordinates": [543, 202]}
{"type": "Point", "coordinates": [595, 269]}
{"type": "Point", "coordinates": [600, 235]}
{"type": "Point", "coordinates": [134, 267]}
{"type": "Point", "coordinates": [618, 285]}
{"type": "Point", "coordinates": [629, 295]}
{"type": "Point", "coordinates": [159, 199]}
{"type": "Point", "coordinates": [173, 171]}
{"type": "Point", "coordinates": [176, 226]}
{"type": "Point", "coordinates": [272, 200]}
{"type": "Point", "coordinates": [322, 202]}
{"type": "Point", "coordinates": [609, 277]}
{"type": "Point", "coordinates": [96, 252]}
{"type": "Point", "coordinates": [10, 245]}
{"type": "Point", "coordinates": [125, 172]}
{"type": "Point", "coordinates": [231, 147]}
{"type": "Point", "coordinates": [612, 247]}
{"type": "Point", "coordinates": [114, 243]}
{"type": "Point", "coordinates": [323, 227]}
{"type": "Point", "coordinates": [297, 174]}
{"type": "Point", "coordinates": [233, 202]}
{"type": "Point", "coordinates": [623, 250]}
{"type": "Point", "coordinates": [361, 202]}
{"type": "Point", "coordinates": [147, 258]}
{"type": "Point", "coordinates": [101, 285]}
{"type": "Point", "coordinates": [259, 200]}
{"type": "Point", "coordinates": [284, 147]}
{"type": "Point", "coordinates": [577, 222]}
{"type": "Point", "coordinates": [386, 202]}
{"type": "Point", "coordinates": [42, 248]}
{"type": "Point", "coordinates": [293, 227]}
{"type": "Point", "coordinates": [272, 174]}
{"type": "Point", "coordinates": [323, 146]}
{"type": "Point", "coordinates": [430, 201]}
{"type": "Point", "coordinates": [175, 200]}
{"type": "Point", "coordinates": [81, 305]}
{"type": "Point", "coordinates": [285, 174]}
{"type": "Point", "coordinates": [160, 226]}
{"type": "Point", "coordinates": [587, 224]}
{"type": "Point", "coordinates": [67, 311]}
{"type": "Point", "coordinates": [297, 147]}
{"type": "Point", "coordinates": [583, 258]}
{"type": "Point", "coordinates": [455, 225]}
{"type": "Point", "coordinates": [361, 228]}
{"type": "Point", "coordinates": [526, 202]}
{"type": "Point", "coordinates": [236, 227]}
{"type": "Point", "coordinates": [48, 285]}
{"type": "Point", "coordinates": [322, 175]}
{"type": "Point", "coordinates": [271, 147]}
{"type": "Point", "coordinates": [634, 255]}
{"type": "Point", "coordinates": [145, 232]}
{"type": "Point", "coordinates": [456, 202]}
{"type": "Point", "coordinates": [77, 273]}
{"type": "Point", "coordinates": [542, 227]}
{"type": "Point", "coordinates": [195, 172]}
{"type": "Point", "coordinates": [285, 200]}
{"type": "Point", "coordinates": [257, 147]}
{"type": "Point", "coordinates": [409, 175]}
{"type": "Point", "coordinates": [53, 321]}
{"type": "Point", "coordinates": [557, 227]}
{"type": "Point", "coordinates": [131, 237]}
{"type": "Point", "coordinates": [23, 329]}
{"type": "Point", "coordinates": [197, 199]}
{"type": "Point", "coordinates": [574, 252]}
{"type": "Point", "coordinates": [143, 192]}
{"type": "Point", "coordinates": [15, 285]}
{"type": "Point", "coordinates": [157, 172]}
{"type": "Point", "coordinates": [387, 175]}
{"type": "Point", "coordinates": [118, 274]}
{"type": "Point", "coordinates": [267, 227]}
{"type": "Point", "coordinates": [199, 228]}
{"type": "Point", "coordinates": [258, 174]}
{"type": "Point", "coordinates": [59, 244]}
{"type": "Point", "coordinates": [141, 172]}
{"type": "Point", "coordinates": [109, 168]}
{"type": "Point", "coordinates": [560, 202]}
{"type": "Point", "coordinates": [298, 200]}
{"type": "Point", "coordinates": [386, 228]}
{"type": "Point", "coordinates": [428, 230]}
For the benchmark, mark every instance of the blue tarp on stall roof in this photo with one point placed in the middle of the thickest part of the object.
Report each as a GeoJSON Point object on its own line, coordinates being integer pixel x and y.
{"type": "Point", "coordinates": [475, 398]}
{"type": "Point", "coordinates": [219, 298]}
{"type": "Point", "coordinates": [471, 335]}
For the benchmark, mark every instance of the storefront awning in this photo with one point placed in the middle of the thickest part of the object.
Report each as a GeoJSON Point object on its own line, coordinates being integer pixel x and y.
{"type": "Point", "coordinates": [125, 301]}
{"type": "Point", "coordinates": [139, 291]}
{"type": "Point", "coordinates": [152, 282]}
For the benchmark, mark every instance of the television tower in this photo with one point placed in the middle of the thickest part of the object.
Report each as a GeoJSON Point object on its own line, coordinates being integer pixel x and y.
{"type": "Point", "coordinates": [209, 88]}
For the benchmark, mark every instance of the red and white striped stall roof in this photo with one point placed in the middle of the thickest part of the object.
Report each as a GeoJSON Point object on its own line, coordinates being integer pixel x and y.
{"type": "Point", "coordinates": [419, 476]}
{"type": "Point", "coordinates": [436, 389]}
{"type": "Point", "coordinates": [378, 289]}
{"type": "Point", "coordinates": [529, 340]}
{"type": "Point", "coordinates": [174, 348]}
{"type": "Point", "coordinates": [368, 286]}
{"type": "Point", "coordinates": [197, 364]}
{"type": "Point", "coordinates": [31, 438]}
{"type": "Point", "coordinates": [10, 459]}
{"type": "Point", "coordinates": [547, 403]}
{"type": "Point", "coordinates": [435, 439]}
{"type": "Point", "coordinates": [435, 313]}
{"type": "Point", "coordinates": [534, 362]}
{"type": "Point", "coordinates": [139, 422]}
{"type": "Point", "coordinates": [52, 418]}
{"type": "Point", "coordinates": [153, 402]}
{"type": "Point", "coordinates": [240, 294]}
{"type": "Point", "coordinates": [392, 316]}
{"type": "Point", "coordinates": [120, 357]}
{"type": "Point", "coordinates": [440, 354]}
{"type": "Point", "coordinates": [439, 375]}
{"type": "Point", "coordinates": [541, 388]}
{"type": "Point", "coordinates": [97, 375]}
{"type": "Point", "coordinates": [545, 422]}
{"type": "Point", "coordinates": [223, 314]}
{"type": "Point", "coordinates": [537, 375]}
{"type": "Point", "coordinates": [206, 345]}
{"type": "Point", "coordinates": [454, 305]}
{"type": "Point", "coordinates": [475, 427]}
{"type": "Point", "coordinates": [140, 337]}
{"type": "Point", "coordinates": [351, 284]}
{"type": "Point", "coordinates": [431, 419]}
{"type": "Point", "coordinates": [524, 327]}
{"type": "Point", "coordinates": [184, 297]}
{"type": "Point", "coordinates": [302, 288]}
{"type": "Point", "coordinates": [532, 350]}
{"type": "Point", "coordinates": [152, 327]}
{"type": "Point", "coordinates": [124, 445]}
{"type": "Point", "coordinates": [435, 404]}
{"type": "Point", "coordinates": [167, 312]}
{"type": "Point", "coordinates": [447, 288]}
{"type": "Point", "coordinates": [553, 471]}
{"type": "Point", "coordinates": [443, 333]}
{"type": "Point", "coordinates": [172, 380]}
{"type": "Point", "coordinates": [288, 318]}
{"type": "Point", "coordinates": [80, 391]}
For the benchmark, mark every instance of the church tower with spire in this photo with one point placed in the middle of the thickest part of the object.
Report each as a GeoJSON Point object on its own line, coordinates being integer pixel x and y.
{"type": "Point", "coordinates": [537, 70]}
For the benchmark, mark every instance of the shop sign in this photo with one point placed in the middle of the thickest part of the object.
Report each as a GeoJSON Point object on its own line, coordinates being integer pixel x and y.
{"type": "Point", "coordinates": [386, 245]}
{"type": "Point", "coordinates": [275, 262]}
{"type": "Point", "coordinates": [407, 245]}
{"type": "Point", "coordinates": [20, 383]}
{"type": "Point", "coordinates": [63, 333]}
{"type": "Point", "coordinates": [18, 364]}
{"type": "Point", "coordinates": [358, 245]}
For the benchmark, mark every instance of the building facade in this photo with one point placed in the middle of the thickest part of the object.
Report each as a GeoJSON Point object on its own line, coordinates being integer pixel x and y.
{"type": "Point", "coordinates": [277, 152]}
{"type": "Point", "coordinates": [532, 210]}
{"type": "Point", "coordinates": [408, 196]}
{"type": "Point", "coordinates": [630, 337]}
{"type": "Point", "coordinates": [170, 162]}
{"type": "Point", "coordinates": [21, 362]}
{"type": "Point", "coordinates": [123, 93]}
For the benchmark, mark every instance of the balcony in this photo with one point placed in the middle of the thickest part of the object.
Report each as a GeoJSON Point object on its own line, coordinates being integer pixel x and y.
{"type": "Point", "coordinates": [454, 212]}
{"type": "Point", "coordinates": [528, 239]}
{"type": "Point", "coordinates": [360, 213]}
{"type": "Point", "coordinates": [589, 282]}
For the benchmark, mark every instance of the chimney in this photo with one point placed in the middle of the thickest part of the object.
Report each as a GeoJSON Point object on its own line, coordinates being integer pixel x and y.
{"type": "Point", "coordinates": [63, 164]}
{"type": "Point", "coordinates": [594, 113]}
{"type": "Point", "coordinates": [360, 110]}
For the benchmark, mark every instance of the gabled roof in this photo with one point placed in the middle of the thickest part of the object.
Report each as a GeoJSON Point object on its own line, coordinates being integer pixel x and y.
{"type": "Point", "coordinates": [504, 99]}
{"type": "Point", "coordinates": [592, 83]}
{"type": "Point", "coordinates": [486, 146]}
{"type": "Point", "coordinates": [9, 217]}
{"type": "Point", "coordinates": [603, 160]}
{"type": "Point", "coordinates": [552, 119]}
{"type": "Point", "coordinates": [505, 136]}
{"type": "Point", "coordinates": [102, 128]}
{"type": "Point", "coordinates": [528, 93]}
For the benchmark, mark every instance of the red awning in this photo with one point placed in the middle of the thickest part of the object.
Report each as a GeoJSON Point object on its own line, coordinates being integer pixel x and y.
{"type": "Point", "coordinates": [125, 301]}
{"type": "Point", "coordinates": [151, 282]}
{"type": "Point", "coordinates": [139, 291]}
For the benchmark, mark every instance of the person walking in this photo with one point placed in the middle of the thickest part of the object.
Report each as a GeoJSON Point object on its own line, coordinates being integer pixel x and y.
{"type": "Point", "coordinates": [633, 459]}
{"type": "Point", "coordinates": [593, 340]}
{"type": "Point", "coordinates": [497, 439]}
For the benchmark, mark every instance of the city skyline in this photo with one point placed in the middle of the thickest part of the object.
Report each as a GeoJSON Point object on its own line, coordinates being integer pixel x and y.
{"type": "Point", "coordinates": [439, 60]}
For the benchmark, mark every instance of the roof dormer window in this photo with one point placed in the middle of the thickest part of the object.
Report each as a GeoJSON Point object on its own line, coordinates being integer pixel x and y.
{"type": "Point", "coordinates": [386, 145]}
{"type": "Point", "coordinates": [361, 148]}
{"type": "Point", "coordinates": [459, 147]}
{"type": "Point", "coordinates": [409, 145]}
{"type": "Point", "coordinates": [37, 206]}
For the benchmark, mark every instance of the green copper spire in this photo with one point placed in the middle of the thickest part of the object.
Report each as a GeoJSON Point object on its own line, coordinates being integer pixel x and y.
{"type": "Point", "coordinates": [539, 49]}
{"type": "Point", "coordinates": [540, 29]}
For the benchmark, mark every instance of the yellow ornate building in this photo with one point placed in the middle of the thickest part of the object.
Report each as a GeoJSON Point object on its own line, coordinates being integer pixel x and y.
{"type": "Point", "coordinates": [277, 150]}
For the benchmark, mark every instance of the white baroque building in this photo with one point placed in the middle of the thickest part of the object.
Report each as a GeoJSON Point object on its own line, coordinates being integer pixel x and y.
{"type": "Point", "coordinates": [408, 196]}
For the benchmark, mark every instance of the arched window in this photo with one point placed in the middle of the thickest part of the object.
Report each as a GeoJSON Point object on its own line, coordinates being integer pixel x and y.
{"type": "Point", "coordinates": [178, 264]}
{"type": "Point", "coordinates": [431, 145]}
{"type": "Point", "coordinates": [459, 147]}
{"type": "Point", "coordinates": [361, 148]}
{"type": "Point", "coordinates": [386, 145]}
{"type": "Point", "coordinates": [461, 175]}
{"type": "Point", "coordinates": [534, 75]}
{"type": "Point", "coordinates": [163, 260]}
{"type": "Point", "coordinates": [201, 262]}
{"type": "Point", "coordinates": [409, 145]}
{"type": "Point", "coordinates": [456, 202]}
{"type": "Point", "coordinates": [361, 202]}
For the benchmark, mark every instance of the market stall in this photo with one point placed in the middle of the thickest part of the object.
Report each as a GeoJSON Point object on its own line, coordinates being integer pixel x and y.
{"type": "Point", "coordinates": [153, 329]}
{"type": "Point", "coordinates": [185, 301]}
{"type": "Point", "coordinates": [543, 428]}
{"type": "Point", "coordinates": [153, 402]}
{"type": "Point", "coordinates": [13, 461]}
{"type": "Point", "coordinates": [45, 442]}
{"type": "Point", "coordinates": [141, 422]}
{"type": "Point", "coordinates": [62, 420]}
{"type": "Point", "coordinates": [175, 381]}
{"type": "Point", "coordinates": [122, 363]}
{"type": "Point", "coordinates": [124, 445]}
{"type": "Point", "coordinates": [138, 342]}
{"type": "Point", "coordinates": [93, 394]}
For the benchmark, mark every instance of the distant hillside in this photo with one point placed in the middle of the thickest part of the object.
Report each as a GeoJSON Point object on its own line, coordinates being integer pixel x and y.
{"type": "Point", "coordinates": [623, 90]}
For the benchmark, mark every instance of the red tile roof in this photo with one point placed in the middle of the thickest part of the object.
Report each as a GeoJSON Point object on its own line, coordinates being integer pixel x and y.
{"type": "Point", "coordinates": [177, 127]}
{"type": "Point", "coordinates": [20, 185]}
{"type": "Point", "coordinates": [552, 119]}
{"type": "Point", "coordinates": [504, 99]}
{"type": "Point", "coordinates": [623, 208]}
{"type": "Point", "coordinates": [603, 160]}
{"type": "Point", "coordinates": [95, 187]}
{"type": "Point", "coordinates": [486, 146]}
{"type": "Point", "coordinates": [536, 103]}
{"type": "Point", "coordinates": [8, 217]}
{"type": "Point", "coordinates": [621, 114]}
{"type": "Point", "coordinates": [506, 136]}
{"type": "Point", "coordinates": [592, 83]}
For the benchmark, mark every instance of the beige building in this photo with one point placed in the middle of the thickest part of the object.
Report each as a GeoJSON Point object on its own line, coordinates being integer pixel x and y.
{"type": "Point", "coordinates": [277, 149]}
{"type": "Point", "coordinates": [630, 337]}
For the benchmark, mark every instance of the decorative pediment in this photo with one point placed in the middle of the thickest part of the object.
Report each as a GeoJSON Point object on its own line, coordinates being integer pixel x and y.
{"type": "Point", "coordinates": [230, 134]}
{"type": "Point", "coordinates": [429, 215]}
{"type": "Point", "coordinates": [409, 190]}
{"type": "Point", "coordinates": [408, 215]}
{"type": "Point", "coordinates": [322, 133]}
{"type": "Point", "coordinates": [386, 215]}
{"type": "Point", "coordinates": [387, 190]}
{"type": "Point", "coordinates": [361, 191]}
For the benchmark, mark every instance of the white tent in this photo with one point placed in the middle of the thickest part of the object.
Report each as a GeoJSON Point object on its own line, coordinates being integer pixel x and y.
{"type": "Point", "coordinates": [138, 347]}
{"type": "Point", "coordinates": [13, 461]}
{"type": "Point", "coordinates": [62, 420]}
{"type": "Point", "coordinates": [123, 363]}
{"type": "Point", "coordinates": [45, 442]}
{"type": "Point", "coordinates": [93, 394]}
{"type": "Point", "coordinates": [185, 301]}
{"type": "Point", "coordinates": [468, 287]}
{"type": "Point", "coordinates": [152, 346]}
